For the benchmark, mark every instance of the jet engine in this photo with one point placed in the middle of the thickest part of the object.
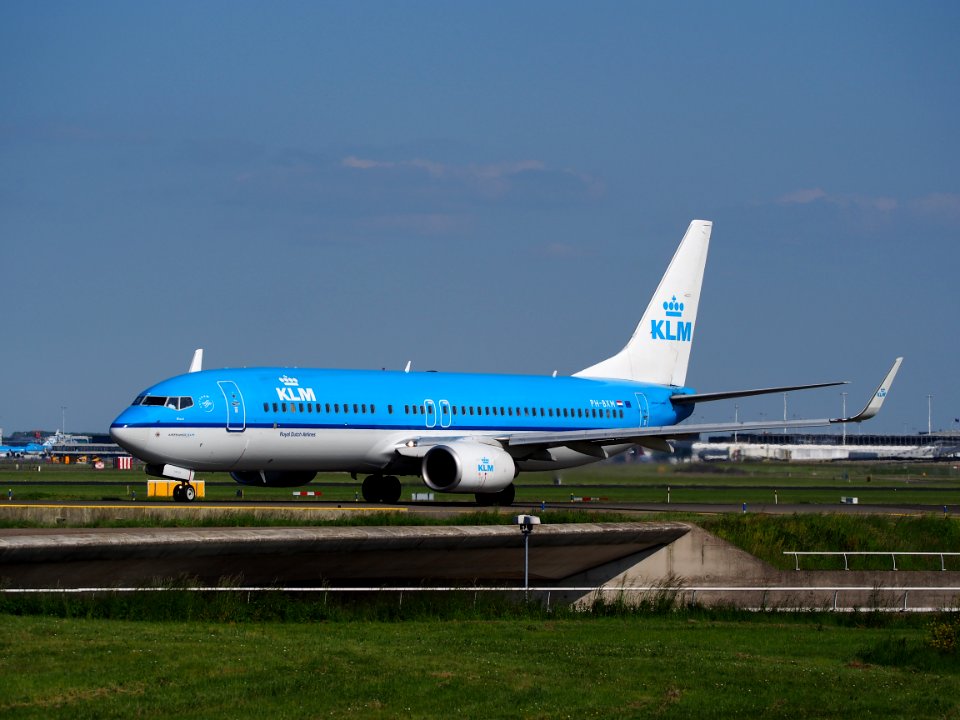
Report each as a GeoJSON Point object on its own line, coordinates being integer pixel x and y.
{"type": "Point", "coordinates": [467, 467]}
{"type": "Point", "coordinates": [274, 478]}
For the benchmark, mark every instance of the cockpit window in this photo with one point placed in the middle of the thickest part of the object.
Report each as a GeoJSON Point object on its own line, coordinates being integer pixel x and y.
{"type": "Point", "coordinates": [173, 403]}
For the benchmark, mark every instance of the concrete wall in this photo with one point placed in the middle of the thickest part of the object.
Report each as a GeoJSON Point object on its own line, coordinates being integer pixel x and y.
{"type": "Point", "coordinates": [699, 559]}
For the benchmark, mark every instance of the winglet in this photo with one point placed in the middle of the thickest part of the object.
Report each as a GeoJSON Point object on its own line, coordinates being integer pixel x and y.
{"type": "Point", "coordinates": [873, 407]}
{"type": "Point", "coordinates": [196, 365]}
{"type": "Point", "coordinates": [407, 368]}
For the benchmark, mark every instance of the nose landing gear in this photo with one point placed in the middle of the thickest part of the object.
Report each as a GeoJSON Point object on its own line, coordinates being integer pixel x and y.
{"type": "Point", "coordinates": [184, 492]}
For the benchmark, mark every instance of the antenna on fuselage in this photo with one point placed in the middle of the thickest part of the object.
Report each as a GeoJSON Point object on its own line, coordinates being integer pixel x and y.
{"type": "Point", "coordinates": [407, 368]}
{"type": "Point", "coordinates": [196, 365]}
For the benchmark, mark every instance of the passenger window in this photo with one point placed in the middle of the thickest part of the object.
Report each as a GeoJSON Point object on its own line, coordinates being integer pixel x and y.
{"type": "Point", "coordinates": [510, 411]}
{"type": "Point", "coordinates": [564, 412]}
{"type": "Point", "coordinates": [501, 410]}
{"type": "Point", "coordinates": [354, 408]}
{"type": "Point", "coordinates": [274, 407]}
{"type": "Point", "coordinates": [494, 409]}
{"type": "Point", "coordinates": [266, 407]}
{"type": "Point", "coordinates": [336, 407]}
{"type": "Point", "coordinates": [309, 408]}
{"type": "Point", "coordinates": [486, 410]}
{"type": "Point", "coordinates": [471, 409]}
{"type": "Point", "coordinates": [422, 410]}
{"type": "Point", "coordinates": [579, 412]}
{"type": "Point", "coordinates": [301, 407]}
{"type": "Point", "coordinates": [283, 407]}
{"type": "Point", "coordinates": [327, 407]}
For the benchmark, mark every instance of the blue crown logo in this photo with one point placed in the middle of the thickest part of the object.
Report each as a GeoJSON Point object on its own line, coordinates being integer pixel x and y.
{"type": "Point", "coordinates": [673, 308]}
{"type": "Point", "coordinates": [882, 393]}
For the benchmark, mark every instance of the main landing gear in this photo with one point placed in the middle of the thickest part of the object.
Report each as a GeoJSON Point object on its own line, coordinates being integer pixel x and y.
{"type": "Point", "coordinates": [184, 492]}
{"type": "Point", "coordinates": [381, 489]}
{"type": "Point", "coordinates": [503, 498]}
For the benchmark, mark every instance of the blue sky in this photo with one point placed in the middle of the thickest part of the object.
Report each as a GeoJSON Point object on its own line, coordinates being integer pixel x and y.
{"type": "Point", "coordinates": [479, 187]}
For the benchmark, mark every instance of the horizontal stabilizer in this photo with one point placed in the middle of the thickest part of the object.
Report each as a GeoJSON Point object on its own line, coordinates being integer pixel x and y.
{"type": "Point", "coordinates": [707, 397]}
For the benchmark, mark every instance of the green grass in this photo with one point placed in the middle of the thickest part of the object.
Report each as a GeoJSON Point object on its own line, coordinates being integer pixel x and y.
{"type": "Point", "coordinates": [691, 664]}
{"type": "Point", "coordinates": [767, 536]}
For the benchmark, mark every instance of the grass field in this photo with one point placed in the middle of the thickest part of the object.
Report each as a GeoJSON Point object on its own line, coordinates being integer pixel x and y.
{"type": "Point", "coordinates": [691, 664]}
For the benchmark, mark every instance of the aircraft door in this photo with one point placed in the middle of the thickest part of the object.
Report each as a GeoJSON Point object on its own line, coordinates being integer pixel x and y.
{"type": "Point", "coordinates": [644, 407]}
{"type": "Point", "coordinates": [236, 412]}
{"type": "Point", "coordinates": [430, 409]}
{"type": "Point", "coordinates": [446, 418]}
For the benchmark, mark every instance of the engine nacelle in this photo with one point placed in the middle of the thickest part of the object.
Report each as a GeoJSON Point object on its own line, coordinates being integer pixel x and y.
{"type": "Point", "coordinates": [467, 467]}
{"type": "Point", "coordinates": [274, 478]}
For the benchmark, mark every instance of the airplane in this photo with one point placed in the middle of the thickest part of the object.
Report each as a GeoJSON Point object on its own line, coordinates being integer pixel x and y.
{"type": "Point", "coordinates": [17, 451]}
{"type": "Point", "coordinates": [459, 432]}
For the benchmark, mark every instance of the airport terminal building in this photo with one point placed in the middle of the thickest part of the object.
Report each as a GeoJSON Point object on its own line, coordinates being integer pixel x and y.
{"type": "Point", "coordinates": [811, 447]}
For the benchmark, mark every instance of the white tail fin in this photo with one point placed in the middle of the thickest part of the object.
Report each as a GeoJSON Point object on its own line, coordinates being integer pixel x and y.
{"type": "Point", "coordinates": [659, 350]}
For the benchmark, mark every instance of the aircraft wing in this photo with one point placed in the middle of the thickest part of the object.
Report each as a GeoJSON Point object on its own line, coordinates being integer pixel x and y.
{"type": "Point", "coordinates": [656, 437]}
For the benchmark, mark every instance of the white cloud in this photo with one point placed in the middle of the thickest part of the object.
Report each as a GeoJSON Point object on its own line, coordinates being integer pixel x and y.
{"type": "Point", "coordinates": [351, 161]}
{"type": "Point", "coordinates": [802, 197]}
{"type": "Point", "coordinates": [938, 204]}
{"type": "Point", "coordinates": [861, 202]}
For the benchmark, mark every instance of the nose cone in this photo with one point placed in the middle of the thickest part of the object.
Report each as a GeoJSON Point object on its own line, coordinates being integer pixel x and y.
{"type": "Point", "coordinates": [130, 434]}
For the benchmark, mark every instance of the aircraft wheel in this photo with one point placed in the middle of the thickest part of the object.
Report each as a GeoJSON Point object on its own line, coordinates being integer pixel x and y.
{"type": "Point", "coordinates": [189, 493]}
{"type": "Point", "coordinates": [503, 498]}
{"type": "Point", "coordinates": [178, 493]}
{"type": "Point", "coordinates": [390, 489]}
{"type": "Point", "coordinates": [372, 488]}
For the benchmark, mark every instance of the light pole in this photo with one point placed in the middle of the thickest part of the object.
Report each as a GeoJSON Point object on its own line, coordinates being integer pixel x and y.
{"type": "Point", "coordinates": [526, 523]}
{"type": "Point", "coordinates": [736, 419]}
{"type": "Point", "coordinates": [63, 420]}
{"type": "Point", "coordinates": [784, 413]}
{"type": "Point", "coordinates": [929, 414]}
{"type": "Point", "coordinates": [844, 417]}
